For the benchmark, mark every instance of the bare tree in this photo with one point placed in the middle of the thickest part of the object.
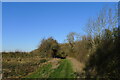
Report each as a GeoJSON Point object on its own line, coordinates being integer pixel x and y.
{"type": "Point", "coordinates": [106, 19]}
{"type": "Point", "coordinates": [70, 38]}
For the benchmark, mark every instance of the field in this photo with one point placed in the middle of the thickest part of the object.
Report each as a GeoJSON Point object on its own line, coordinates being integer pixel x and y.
{"type": "Point", "coordinates": [17, 67]}
{"type": "Point", "coordinates": [37, 67]}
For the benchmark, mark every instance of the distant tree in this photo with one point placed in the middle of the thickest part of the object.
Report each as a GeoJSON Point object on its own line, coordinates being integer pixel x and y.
{"type": "Point", "coordinates": [50, 48]}
{"type": "Point", "coordinates": [72, 37]}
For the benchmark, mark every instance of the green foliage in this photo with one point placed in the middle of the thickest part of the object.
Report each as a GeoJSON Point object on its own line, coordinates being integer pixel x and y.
{"type": "Point", "coordinates": [51, 48]}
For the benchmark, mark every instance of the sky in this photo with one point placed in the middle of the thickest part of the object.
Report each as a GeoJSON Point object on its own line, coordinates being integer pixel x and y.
{"type": "Point", "coordinates": [24, 24]}
{"type": "Point", "coordinates": [0, 27]}
{"type": "Point", "coordinates": [60, 0]}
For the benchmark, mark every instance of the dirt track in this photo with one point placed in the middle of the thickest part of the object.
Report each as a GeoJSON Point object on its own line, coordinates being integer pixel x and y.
{"type": "Point", "coordinates": [77, 66]}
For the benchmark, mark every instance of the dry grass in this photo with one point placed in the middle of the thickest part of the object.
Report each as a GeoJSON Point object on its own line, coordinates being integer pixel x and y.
{"type": "Point", "coordinates": [77, 66]}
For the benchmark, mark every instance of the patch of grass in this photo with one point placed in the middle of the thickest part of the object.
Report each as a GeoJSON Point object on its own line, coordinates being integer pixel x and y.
{"type": "Point", "coordinates": [42, 72]}
{"type": "Point", "coordinates": [64, 70]}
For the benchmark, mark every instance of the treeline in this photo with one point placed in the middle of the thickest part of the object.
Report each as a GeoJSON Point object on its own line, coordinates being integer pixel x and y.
{"type": "Point", "coordinates": [15, 54]}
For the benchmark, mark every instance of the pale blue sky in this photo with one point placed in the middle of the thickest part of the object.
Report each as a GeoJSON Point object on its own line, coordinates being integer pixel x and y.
{"type": "Point", "coordinates": [25, 24]}
{"type": "Point", "coordinates": [0, 26]}
{"type": "Point", "coordinates": [60, 0]}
